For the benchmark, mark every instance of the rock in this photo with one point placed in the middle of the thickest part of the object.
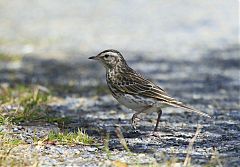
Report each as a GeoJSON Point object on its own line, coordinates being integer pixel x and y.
{"type": "Point", "coordinates": [91, 149]}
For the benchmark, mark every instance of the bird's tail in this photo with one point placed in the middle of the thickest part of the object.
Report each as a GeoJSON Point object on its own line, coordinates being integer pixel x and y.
{"type": "Point", "coordinates": [188, 108]}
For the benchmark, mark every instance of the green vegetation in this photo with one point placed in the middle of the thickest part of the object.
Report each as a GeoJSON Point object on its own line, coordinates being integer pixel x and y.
{"type": "Point", "coordinates": [11, 146]}
{"type": "Point", "coordinates": [25, 104]}
{"type": "Point", "coordinates": [6, 139]}
{"type": "Point", "coordinates": [22, 104]}
{"type": "Point", "coordinates": [8, 58]}
{"type": "Point", "coordinates": [106, 146]}
{"type": "Point", "coordinates": [9, 156]}
{"type": "Point", "coordinates": [78, 137]}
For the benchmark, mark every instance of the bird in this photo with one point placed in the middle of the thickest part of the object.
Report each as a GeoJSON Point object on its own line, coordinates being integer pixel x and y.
{"type": "Point", "coordinates": [134, 90]}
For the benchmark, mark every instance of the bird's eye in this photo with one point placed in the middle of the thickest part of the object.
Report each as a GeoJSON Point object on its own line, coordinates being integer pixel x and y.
{"type": "Point", "coordinates": [106, 56]}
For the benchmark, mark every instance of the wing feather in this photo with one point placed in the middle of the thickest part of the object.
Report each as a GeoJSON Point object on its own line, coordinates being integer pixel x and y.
{"type": "Point", "coordinates": [135, 84]}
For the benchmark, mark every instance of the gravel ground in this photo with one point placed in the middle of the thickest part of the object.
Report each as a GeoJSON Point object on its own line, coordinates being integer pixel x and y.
{"type": "Point", "coordinates": [209, 84]}
{"type": "Point", "coordinates": [190, 48]}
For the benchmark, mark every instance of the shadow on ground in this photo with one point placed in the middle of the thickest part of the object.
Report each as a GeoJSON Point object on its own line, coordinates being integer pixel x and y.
{"type": "Point", "coordinates": [210, 84]}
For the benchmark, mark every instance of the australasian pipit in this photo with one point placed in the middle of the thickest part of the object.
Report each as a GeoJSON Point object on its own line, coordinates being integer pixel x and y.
{"type": "Point", "coordinates": [133, 90]}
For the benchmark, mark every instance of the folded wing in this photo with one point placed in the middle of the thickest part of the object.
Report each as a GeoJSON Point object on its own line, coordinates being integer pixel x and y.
{"type": "Point", "coordinates": [135, 84]}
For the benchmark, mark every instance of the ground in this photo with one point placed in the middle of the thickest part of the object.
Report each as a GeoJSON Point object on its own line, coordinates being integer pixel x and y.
{"type": "Point", "coordinates": [209, 84]}
{"type": "Point", "coordinates": [55, 107]}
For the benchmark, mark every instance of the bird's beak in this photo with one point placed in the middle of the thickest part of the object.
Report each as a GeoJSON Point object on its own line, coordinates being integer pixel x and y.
{"type": "Point", "coordinates": [93, 57]}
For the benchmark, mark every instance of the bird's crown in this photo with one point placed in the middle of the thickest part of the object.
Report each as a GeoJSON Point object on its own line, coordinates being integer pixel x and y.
{"type": "Point", "coordinates": [110, 58]}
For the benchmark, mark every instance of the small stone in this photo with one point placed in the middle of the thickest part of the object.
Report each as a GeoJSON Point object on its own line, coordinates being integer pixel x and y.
{"type": "Point", "coordinates": [15, 129]}
{"type": "Point", "coordinates": [29, 141]}
{"type": "Point", "coordinates": [60, 150]}
{"type": "Point", "coordinates": [91, 149]}
{"type": "Point", "coordinates": [77, 152]}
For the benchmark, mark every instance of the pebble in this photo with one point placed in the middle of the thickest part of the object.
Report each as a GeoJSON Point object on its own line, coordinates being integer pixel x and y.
{"type": "Point", "coordinates": [91, 149]}
{"type": "Point", "coordinates": [29, 141]}
{"type": "Point", "coordinates": [15, 130]}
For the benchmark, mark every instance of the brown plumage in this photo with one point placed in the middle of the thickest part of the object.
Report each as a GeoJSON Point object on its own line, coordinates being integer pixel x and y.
{"type": "Point", "coordinates": [133, 90]}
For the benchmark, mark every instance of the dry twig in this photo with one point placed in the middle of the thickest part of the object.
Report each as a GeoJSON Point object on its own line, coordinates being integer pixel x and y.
{"type": "Point", "coordinates": [190, 147]}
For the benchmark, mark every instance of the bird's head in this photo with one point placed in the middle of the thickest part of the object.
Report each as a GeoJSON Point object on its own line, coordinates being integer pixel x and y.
{"type": "Point", "coordinates": [110, 58]}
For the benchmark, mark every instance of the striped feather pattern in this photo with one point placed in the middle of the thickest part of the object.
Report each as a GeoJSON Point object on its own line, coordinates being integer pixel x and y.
{"type": "Point", "coordinates": [125, 80]}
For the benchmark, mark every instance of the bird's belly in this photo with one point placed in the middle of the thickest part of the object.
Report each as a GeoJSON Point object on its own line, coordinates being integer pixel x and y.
{"type": "Point", "coordinates": [136, 103]}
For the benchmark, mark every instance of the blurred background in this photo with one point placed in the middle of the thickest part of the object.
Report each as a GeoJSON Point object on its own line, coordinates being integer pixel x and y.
{"type": "Point", "coordinates": [54, 38]}
{"type": "Point", "coordinates": [61, 29]}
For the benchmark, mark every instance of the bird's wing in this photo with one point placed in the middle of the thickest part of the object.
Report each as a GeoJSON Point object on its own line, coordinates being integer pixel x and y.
{"type": "Point", "coordinates": [135, 84]}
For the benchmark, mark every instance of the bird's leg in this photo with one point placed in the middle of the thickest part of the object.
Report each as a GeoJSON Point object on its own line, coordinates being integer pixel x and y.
{"type": "Point", "coordinates": [135, 116]}
{"type": "Point", "coordinates": [158, 119]}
